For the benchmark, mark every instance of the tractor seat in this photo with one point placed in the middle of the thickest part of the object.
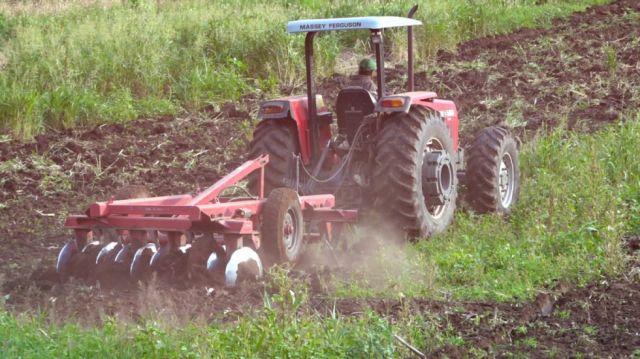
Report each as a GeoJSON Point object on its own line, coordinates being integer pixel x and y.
{"type": "Point", "coordinates": [352, 105]}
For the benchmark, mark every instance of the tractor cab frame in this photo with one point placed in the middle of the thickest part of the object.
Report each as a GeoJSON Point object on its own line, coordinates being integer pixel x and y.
{"type": "Point", "coordinates": [310, 113]}
{"type": "Point", "coordinates": [375, 24]}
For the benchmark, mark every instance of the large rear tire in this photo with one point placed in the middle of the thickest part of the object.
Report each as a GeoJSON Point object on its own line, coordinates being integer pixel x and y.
{"type": "Point", "coordinates": [414, 182]}
{"type": "Point", "coordinates": [278, 139]}
{"type": "Point", "coordinates": [493, 175]}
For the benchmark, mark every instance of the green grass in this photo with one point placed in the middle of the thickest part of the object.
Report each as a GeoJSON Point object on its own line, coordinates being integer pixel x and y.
{"type": "Point", "coordinates": [287, 327]}
{"type": "Point", "coordinates": [580, 194]}
{"type": "Point", "coordinates": [93, 64]}
{"type": "Point", "coordinates": [263, 337]}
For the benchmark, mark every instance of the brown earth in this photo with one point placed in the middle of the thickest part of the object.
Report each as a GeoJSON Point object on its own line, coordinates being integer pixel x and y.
{"type": "Point", "coordinates": [600, 320]}
{"type": "Point", "coordinates": [581, 73]}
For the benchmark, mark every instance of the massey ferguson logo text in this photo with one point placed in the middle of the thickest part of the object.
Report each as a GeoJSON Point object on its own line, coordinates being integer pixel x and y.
{"type": "Point", "coordinates": [333, 26]}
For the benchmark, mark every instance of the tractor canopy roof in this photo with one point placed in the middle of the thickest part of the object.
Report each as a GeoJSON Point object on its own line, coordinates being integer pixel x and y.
{"type": "Point", "coordinates": [350, 23]}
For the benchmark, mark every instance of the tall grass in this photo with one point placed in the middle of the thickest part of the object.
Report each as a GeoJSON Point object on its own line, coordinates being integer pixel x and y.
{"type": "Point", "coordinates": [71, 65]}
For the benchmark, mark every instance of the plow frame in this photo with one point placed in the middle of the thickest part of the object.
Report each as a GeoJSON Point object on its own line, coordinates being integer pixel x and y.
{"type": "Point", "coordinates": [206, 213]}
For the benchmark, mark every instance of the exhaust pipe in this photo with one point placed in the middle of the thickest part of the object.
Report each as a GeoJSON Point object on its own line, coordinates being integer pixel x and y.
{"type": "Point", "coordinates": [410, 49]}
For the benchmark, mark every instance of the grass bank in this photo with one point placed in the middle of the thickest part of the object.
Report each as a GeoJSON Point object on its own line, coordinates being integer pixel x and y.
{"type": "Point", "coordinates": [64, 65]}
{"type": "Point", "coordinates": [580, 194]}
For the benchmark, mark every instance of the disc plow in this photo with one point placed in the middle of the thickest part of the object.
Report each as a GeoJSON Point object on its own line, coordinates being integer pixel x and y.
{"type": "Point", "coordinates": [221, 236]}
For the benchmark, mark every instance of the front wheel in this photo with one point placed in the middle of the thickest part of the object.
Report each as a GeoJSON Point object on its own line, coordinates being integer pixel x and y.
{"type": "Point", "coordinates": [415, 183]}
{"type": "Point", "coordinates": [493, 174]}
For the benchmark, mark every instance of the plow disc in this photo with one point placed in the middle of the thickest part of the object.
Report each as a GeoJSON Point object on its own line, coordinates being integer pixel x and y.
{"type": "Point", "coordinates": [243, 264]}
{"type": "Point", "coordinates": [63, 265]}
{"type": "Point", "coordinates": [108, 253]}
{"type": "Point", "coordinates": [141, 263]}
{"type": "Point", "coordinates": [185, 236]}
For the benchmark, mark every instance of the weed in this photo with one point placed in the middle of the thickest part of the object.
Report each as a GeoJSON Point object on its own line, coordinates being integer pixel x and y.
{"type": "Point", "coordinates": [52, 178]}
{"type": "Point", "coordinates": [521, 329]}
{"type": "Point", "coordinates": [610, 59]}
{"type": "Point", "coordinates": [455, 340]}
{"type": "Point", "coordinates": [493, 102]}
{"type": "Point", "coordinates": [514, 116]}
{"type": "Point", "coordinates": [552, 353]}
{"type": "Point", "coordinates": [478, 353]}
{"type": "Point", "coordinates": [527, 343]}
{"type": "Point", "coordinates": [11, 166]}
{"type": "Point", "coordinates": [190, 159]}
{"type": "Point", "coordinates": [562, 314]}
{"type": "Point", "coordinates": [590, 330]}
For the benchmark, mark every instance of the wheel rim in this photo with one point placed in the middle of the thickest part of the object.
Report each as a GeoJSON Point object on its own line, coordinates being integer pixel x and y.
{"type": "Point", "coordinates": [290, 230]}
{"type": "Point", "coordinates": [433, 145]}
{"type": "Point", "coordinates": [505, 180]}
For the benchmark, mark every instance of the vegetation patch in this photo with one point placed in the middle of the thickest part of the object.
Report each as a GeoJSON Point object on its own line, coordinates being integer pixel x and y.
{"type": "Point", "coordinates": [115, 61]}
{"type": "Point", "coordinates": [579, 197]}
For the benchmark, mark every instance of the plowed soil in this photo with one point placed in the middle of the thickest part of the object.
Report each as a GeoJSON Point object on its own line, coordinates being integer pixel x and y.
{"type": "Point", "coordinates": [581, 73]}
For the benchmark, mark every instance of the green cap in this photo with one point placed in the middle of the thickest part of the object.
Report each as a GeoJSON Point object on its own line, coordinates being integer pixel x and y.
{"type": "Point", "coordinates": [367, 65]}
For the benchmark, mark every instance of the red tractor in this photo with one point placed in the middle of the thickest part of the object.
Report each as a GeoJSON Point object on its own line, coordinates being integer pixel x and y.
{"type": "Point", "coordinates": [403, 159]}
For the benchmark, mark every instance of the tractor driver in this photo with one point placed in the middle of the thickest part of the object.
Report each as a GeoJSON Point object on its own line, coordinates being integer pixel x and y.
{"type": "Point", "coordinates": [366, 76]}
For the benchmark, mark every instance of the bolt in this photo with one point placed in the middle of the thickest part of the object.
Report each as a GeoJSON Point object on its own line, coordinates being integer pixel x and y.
{"type": "Point", "coordinates": [288, 229]}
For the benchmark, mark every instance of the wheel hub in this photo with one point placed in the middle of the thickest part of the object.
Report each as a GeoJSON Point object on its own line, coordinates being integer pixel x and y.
{"type": "Point", "coordinates": [437, 178]}
{"type": "Point", "coordinates": [289, 230]}
{"type": "Point", "coordinates": [505, 180]}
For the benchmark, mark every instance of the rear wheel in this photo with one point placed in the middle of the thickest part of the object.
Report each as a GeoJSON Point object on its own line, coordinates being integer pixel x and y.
{"type": "Point", "coordinates": [415, 182]}
{"type": "Point", "coordinates": [493, 175]}
{"type": "Point", "coordinates": [278, 139]}
{"type": "Point", "coordinates": [282, 229]}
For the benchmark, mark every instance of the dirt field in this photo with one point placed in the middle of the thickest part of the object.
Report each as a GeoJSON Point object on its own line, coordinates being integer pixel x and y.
{"type": "Point", "coordinates": [581, 73]}
{"type": "Point", "coordinates": [600, 319]}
